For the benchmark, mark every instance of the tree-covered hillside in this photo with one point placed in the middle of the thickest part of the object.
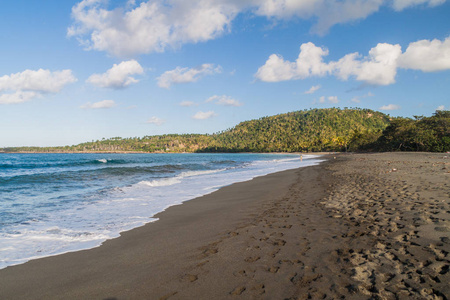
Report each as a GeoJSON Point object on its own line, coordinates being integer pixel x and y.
{"type": "Point", "coordinates": [331, 129]}
{"type": "Point", "coordinates": [308, 130]}
{"type": "Point", "coordinates": [431, 134]}
{"type": "Point", "coordinates": [159, 143]}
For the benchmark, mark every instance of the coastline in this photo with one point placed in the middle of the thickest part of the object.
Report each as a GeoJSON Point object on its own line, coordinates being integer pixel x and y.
{"type": "Point", "coordinates": [165, 152]}
{"type": "Point", "coordinates": [358, 226]}
{"type": "Point", "coordinates": [128, 199]}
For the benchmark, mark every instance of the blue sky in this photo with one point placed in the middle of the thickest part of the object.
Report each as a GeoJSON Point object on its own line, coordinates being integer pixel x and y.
{"type": "Point", "coordinates": [76, 71]}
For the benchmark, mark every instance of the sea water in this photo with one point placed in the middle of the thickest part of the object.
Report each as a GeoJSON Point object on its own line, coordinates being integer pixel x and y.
{"type": "Point", "coordinates": [56, 203]}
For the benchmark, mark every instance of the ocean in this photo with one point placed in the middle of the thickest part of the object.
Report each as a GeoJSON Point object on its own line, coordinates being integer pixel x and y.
{"type": "Point", "coordinates": [56, 203]}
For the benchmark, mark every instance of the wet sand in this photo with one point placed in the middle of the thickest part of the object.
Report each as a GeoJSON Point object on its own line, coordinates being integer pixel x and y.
{"type": "Point", "coordinates": [361, 226]}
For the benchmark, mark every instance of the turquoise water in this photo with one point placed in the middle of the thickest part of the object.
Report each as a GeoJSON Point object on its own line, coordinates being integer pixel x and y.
{"type": "Point", "coordinates": [55, 203]}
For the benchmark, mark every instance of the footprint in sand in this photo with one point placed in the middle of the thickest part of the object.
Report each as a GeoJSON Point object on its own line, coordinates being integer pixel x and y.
{"type": "Point", "coordinates": [190, 277]}
{"type": "Point", "coordinates": [273, 269]}
{"type": "Point", "coordinates": [252, 259]}
{"type": "Point", "coordinates": [279, 242]}
{"type": "Point", "coordinates": [237, 291]}
{"type": "Point", "coordinates": [165, 297]}
{"type": "Point", "coordinates": [259, 289]}
{"type": "Point", "coordinates": [275, 252]}
{"type": "Point", "coordinates": [241, 273]}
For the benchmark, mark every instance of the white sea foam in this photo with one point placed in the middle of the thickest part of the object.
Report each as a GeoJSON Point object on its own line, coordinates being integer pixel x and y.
{"type": "Point", "coordinates": [177, 179]}
{"type": "Point", "coordinates": [199, 173]}
{"type": "Point", "coordinates": [160, 182]}
{"type": "Point", "coordinates": [102, 160]}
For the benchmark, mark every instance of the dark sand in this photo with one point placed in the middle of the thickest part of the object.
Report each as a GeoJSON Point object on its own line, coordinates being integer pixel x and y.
{"type": "Point", "coordinates": [363, 226]}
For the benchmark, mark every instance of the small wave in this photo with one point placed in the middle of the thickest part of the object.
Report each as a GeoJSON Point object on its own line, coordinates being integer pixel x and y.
{"type": "Point", "coordinates": [293, 158]}
{"type": "Point", "coordinates": [177, 179]}
{"type": "Point", "coordinates": [160, 182]}
{"type": "Point", "coordinates": [104, 161]}
{"type": "Point", "coordinates": [26, 245]}
{"type": "Point", "coordinates": [59, 164]}
{"type": "Point", "coordinates": [225, 162]}
{"type": "Point", "coordinates": [17, 166]}
{"type": "Point", "coordinates": [199, 173]}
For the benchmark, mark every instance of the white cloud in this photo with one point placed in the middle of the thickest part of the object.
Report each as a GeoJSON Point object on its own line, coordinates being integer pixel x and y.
{"type": "Point", "coordinates": [330, 13]}
{"type": "Point", "coordinates": [224, 100]}
{"type": "Point", "coordinates": [329, 99]}
{"type": "Point", "coordinates": [153, 26]}
{"type": "Point", "coordinates": [390, 107]}
{"type": "Point", "coordinates": [309, 63]}
{"type": "Point", "coordinates": [150, 26]}
{"type": "Point", "coordinates": [204, 115]}
{"type": "Point", "coordinates": [188, 103]}
{"type": "Point", "coordinates": [333, 99]}
{"type": "Point", "coordinates": [313, 89]}
{"type": "Point", "coordinates": [358, 98]}
{"type": "Point", "coordinates": [44, 81]}
{"type": "Point", "coordinates": [227, 101]}
{"type": "Point", "coordinates": [17, 97]}
{"type": "Point", "coordinates": [377, 68]}
{"type": "Point", "coordinates": [402, 4]}
{"type": "Point", "coordinates": [185, 75]}
{"type": "Point", "coordinates": [440, 107]}
{"type": "Point", "coordinates": [29, 84]}
{"type": "Point", "coordinates": [119, 76]}
{"type": "Point", "coordinates": [427, 56]}
{"type": "Point", "coordinates": [156, 121]}
{"type": "Point", "coordinates": [276, 69]}
{"type": "Point", "coordinates": [99, 105]}
{"type": "Point", "coordinates": [327, 12]}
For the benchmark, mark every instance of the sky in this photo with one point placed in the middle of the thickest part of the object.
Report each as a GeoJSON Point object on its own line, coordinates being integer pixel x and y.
{"type": "Point", "coordinates": [77, 71]}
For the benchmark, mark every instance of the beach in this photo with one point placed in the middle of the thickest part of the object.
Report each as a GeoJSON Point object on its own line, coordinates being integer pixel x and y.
{"type": "Point", "coordinates": [358, 226]}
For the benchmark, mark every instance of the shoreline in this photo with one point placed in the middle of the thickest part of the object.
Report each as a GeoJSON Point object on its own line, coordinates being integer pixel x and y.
{"type": "Point", "coordinates": [140, 152]}
{"type": "Point", "coordinates": [358, 226]}
{"type": "Point", "coordinates": [161, 201]}
{"type": "Point", "coordinates": [167, 237]}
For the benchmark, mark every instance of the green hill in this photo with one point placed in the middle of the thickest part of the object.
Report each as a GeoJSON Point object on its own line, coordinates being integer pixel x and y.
{"type": "Point", "coordinates": [431, 134]}
{"type": "Point", "coordinates": [308, 130]}
{"type": "Point", "coordinates": [159, 143]}
{"type": "Point", "coordinates": [330, 129]}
